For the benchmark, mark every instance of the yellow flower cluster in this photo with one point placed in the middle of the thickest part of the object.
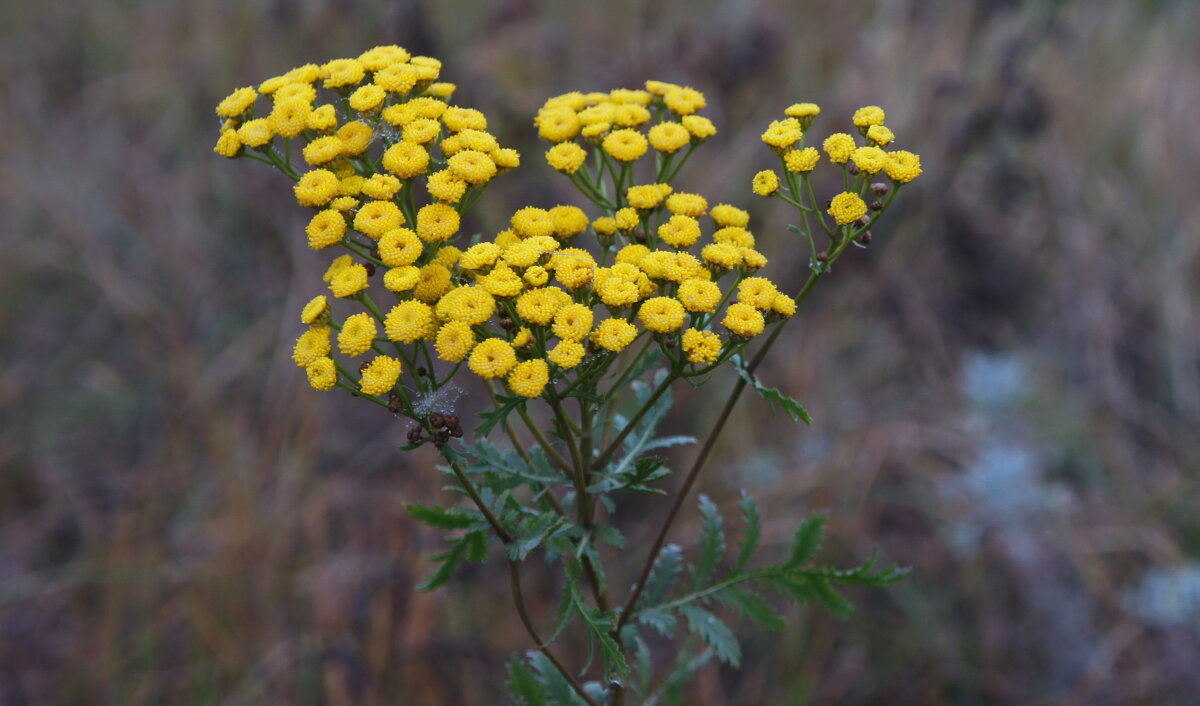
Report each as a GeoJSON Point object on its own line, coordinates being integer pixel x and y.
{"type": "Point", "coordinates": [372, 131]}
{"type": "Point", "coordinates": [621, 122]}
{"type": "Point", "coordinates": [787, 139]}
{"type": "Point", "coordinates": [391, 166]}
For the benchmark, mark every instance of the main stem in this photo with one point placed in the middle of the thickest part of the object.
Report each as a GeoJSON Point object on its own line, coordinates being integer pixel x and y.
{"type": "Point", "coordinates": [514, 570]}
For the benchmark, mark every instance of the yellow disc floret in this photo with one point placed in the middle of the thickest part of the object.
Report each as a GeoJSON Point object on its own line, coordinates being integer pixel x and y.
{"type": "Point", "coordinates": [325, 229]}
{"type": "Point", "coordinates": [614, 334]}
{"type": "Point", "coordinates": [625, 145]}
{"type": "Point", "coordinates": [348, 281]}
{"type": "Point", "coordinates": [311, 345]}
{"type": "Point", "coordinates": [839, 146]}
{"type": "Point", "coordinates": [662, 314]}
{"type": "Point", "coordinates": [357, 334]}
{"type": "Point", "coordinates": [701, 347]}
{"type": "Point", "coordinates": [437, 222]}
{"type": "Point", "coordinates": [380, 375]}
{"type": "Point", "coordinates": [322, 373]}
{"type": "Point", "coordinates": [409, 321]}
{"type": "Point", "coordinates": [492, 359]}
{"type": "Point", "coordinates": [316, 188]}
{"type": "Point", "coordinates": [573, 322]}
{"type": "Point", "coordinates": [567, 354]}
{"type": "Point", "coordinates": [743, 320]}
{"type": "Point", "coordinates": [454, 341]}
{"type": "Point", "coordinates": [765, 183]}
{"type": "Point", "coordinates": [529, 378]}
{"type": "Point", "coordinates": [847, 208]}
{"type": "Point", "coordinates": [566, 157]}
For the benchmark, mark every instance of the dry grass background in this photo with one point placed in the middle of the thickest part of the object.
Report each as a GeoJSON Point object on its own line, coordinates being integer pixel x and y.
{"type": "Point", "coordinates": [1006, 385]}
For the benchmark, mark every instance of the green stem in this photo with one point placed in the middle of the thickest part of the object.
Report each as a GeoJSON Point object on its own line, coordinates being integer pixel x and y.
{"type": "Point", "coordinates": [616, 443]}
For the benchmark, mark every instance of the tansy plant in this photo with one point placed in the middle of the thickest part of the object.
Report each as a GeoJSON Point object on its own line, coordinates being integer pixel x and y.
{"type": "Point", "coordinates": [578, 327]}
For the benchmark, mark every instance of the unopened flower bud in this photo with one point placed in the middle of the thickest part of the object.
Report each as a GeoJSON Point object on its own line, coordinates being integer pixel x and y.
{"type": "Point", "coordinates": [451, 420]}
{"type": "Point", "coordinates": [879, 188]}
{"type": "Point", "coordinates": [852, 168]}
{"type": "Point", "coordinates": [370, 268]}
{"type": "Point", "coordinates": [436, 421]}
{"type": "Point", "coordinates": [823, 256]}
{"type": "Point", "coordinates": [876, 205]}
{"type": "Point", "coordinates": [864, 238]}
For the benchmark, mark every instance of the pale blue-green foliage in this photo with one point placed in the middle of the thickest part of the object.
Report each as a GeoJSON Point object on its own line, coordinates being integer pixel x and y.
{"type": "Point", "coordinates": [689, 594]}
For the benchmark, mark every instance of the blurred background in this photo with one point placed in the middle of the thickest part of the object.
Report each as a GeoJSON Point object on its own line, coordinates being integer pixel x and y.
{"type": "Point", "coordinates": [1006, 384]}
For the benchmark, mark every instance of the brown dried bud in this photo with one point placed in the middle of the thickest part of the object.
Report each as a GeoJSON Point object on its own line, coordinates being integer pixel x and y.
{"type": "Point", "coordinates": [421, 371]}
{"type": "Point", "coordinates": [370, 268]}
{"type": "Point", "coordinates": [852, 168]}
{"type": "Point", "coordinates": [437, 421]}
{"type": "Point", "coordinates": [865, 238]}
{"type": "Point", "coordinates": [414, 434]}
{"type": "Point", "coordinates": [456, 432]}
{"type": "Point", "coordinates": [451, 420]}
{"type": "Point", "coordinates": [864, 222]}
{"type": "Point", "coordinates": [823, 256]}
{"type": "Point", "coordinates": [879, 188]}
{"type": "Point", "coordinates": [395, 404]}
{"type": "Point", "coordinates": [639, 237]}
{"type": "Point", "coordinates": [506, 323]}
{"type": "Point", "coordinates": [669, 343]}
{"type": "Point", "coordinates": [876, 205]}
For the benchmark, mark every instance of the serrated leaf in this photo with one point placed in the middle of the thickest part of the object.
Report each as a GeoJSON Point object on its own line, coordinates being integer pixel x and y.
{"type": "Point", "coordinates": [449, 561]}
{"type": "Point", "coordinates": [494, 417]}
{"type": "Point", "coordinates": [666, 570]}
{"type": "Point", "coordinates": [647, 469]}
{"type": "Point", "coordinates": [713, 633]}
{"type": "Point", "coordinates": [660, 621]}
{"type": "Point", "coordinates": [753, 606]}
{"type": "Point", "coordinates": [523, 685]}
{"type": "Point", "coordinates": [793, 409]}
{"type": "Point", "coordinates": [808, 540]}
{"type": "Point", "coordinates": [558, 690]}
{"type": "Point", "coordinates": [609, 535]}
{"type": "Point", "coordinates": [531, 535]}
{"type": "Point", "coordinates": [666, 441]}
{"type": "Point", "coordinates": [441, 518]}
{"type": "Point", "coordinates": [832, 600]}
{"type": "Point", "coordinates": [751, 532]}
{"type": "Point", "coordinates": [476, 545]}
{"type": "Point", "coordinates": [712, 541]}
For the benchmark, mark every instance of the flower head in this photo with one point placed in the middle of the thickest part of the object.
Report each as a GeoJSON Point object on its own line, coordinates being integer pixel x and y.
{"type": "Point", "coordinates": [847, 208]}
{"type": "Point", "coordinates": [380, 375]}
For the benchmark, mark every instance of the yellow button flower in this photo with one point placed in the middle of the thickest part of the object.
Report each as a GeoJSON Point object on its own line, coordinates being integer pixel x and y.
{"type": "Point", "coordinates": [701, 347]}
{"type": "Point", "coordinates": [357, 334]}
{"type": "Point", "coordinates": [662, 314]}
{"type": "Point", "coordinates": [492, 359]}
{"type": "Point", "coordinates": [454, 341]}
{"type": "Point", "coordinates": [322, 373]}
{"type": "Point", "coordinates": [380, 375]}
{"type": "Point", "coordinates": [529, 378]}
{"type": "Point", "coordinates": [743, 320]}
{"type": "Point", "coordinates": [567, 354]}
{"type": "Point", "coordinates": [409, 322]}
{"type": "Point", "coordinates": [765, 183]}
{"type": "Point", "coordinates": [325, 229]}
{"type": "Point", "coordinates": [614, 334]}
{"type": "Point", "coordinates": [847, 208]}
{"type": "Point", "coordinates": [625, 145]}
